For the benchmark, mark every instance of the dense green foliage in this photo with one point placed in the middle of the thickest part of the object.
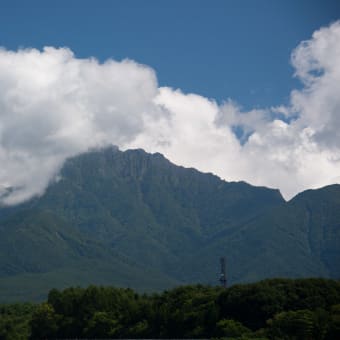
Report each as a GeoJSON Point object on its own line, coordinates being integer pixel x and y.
{"type": "Point", "coordinates": [275, 309]}
{"type": "Point", "coordinates": [133, 219]}
{"type": "Point", "coordinates": [15, 321]}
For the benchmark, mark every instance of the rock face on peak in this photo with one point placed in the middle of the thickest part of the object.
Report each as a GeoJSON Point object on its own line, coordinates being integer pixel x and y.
{"type": "Point", "coordinates": [135, 219]}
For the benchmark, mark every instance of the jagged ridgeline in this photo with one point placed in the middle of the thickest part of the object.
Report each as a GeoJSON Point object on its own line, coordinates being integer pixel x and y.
{"type": "Point", "coordinates": [134, 219]}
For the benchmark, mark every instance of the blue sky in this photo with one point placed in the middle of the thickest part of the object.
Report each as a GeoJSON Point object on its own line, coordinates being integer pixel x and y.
{"type": "Point", "coordinates": [237, 49]}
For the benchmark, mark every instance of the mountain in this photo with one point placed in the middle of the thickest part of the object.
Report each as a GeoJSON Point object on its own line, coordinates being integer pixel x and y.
{"type": "Point", "coordinates": [300, 238]}
{"type": "Point", "coordinates": [135, 219]}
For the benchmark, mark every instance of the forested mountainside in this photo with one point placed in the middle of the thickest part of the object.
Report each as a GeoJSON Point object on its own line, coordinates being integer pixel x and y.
{"type": "Point", "coordinates": [136, 220]}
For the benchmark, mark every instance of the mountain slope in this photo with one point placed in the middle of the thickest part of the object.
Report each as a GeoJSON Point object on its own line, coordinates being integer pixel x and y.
{"type": "Point", "coordinates": [300, 238]}
{"type": "Point", "coordinates": [320, 221]}
{"type": "Point", "coordinates": [135, 219]}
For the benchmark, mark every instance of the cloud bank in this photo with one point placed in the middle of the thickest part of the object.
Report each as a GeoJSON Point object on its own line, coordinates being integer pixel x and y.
{"type": "Point", "coordinates": [54, 106]}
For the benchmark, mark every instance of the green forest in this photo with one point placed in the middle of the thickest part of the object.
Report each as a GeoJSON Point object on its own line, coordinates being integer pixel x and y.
{"type": "Point", "coordinates": [269, 309]}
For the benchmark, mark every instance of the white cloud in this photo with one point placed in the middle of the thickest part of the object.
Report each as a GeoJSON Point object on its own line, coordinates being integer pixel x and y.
{"type": "Point", "coordinates": [299, 151]}
{"type": "Point", "coordinates": [54, 106]}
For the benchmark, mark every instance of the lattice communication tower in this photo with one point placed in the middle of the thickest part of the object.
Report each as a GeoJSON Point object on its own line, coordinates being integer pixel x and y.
{"type": "Point", "coordinates": [223, 275]}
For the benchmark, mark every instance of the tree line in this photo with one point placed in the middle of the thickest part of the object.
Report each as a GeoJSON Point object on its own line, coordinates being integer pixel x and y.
{"type": "Point", "coordinates": [269, 309]}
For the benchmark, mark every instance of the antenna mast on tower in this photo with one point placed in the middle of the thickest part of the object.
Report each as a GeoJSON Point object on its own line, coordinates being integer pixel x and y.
{"type": "Point", "coordinates": [223, 275]}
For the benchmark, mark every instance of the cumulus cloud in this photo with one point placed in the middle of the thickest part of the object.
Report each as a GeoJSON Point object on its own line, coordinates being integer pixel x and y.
{"type": "Point", "coordinates": [54, 106]}
{"type": "Point", "coordinates": [292, 147]}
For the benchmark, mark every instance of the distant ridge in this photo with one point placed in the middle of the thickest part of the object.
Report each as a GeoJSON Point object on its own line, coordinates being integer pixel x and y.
{"type": "Point", "coordinates": [135, 219]}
